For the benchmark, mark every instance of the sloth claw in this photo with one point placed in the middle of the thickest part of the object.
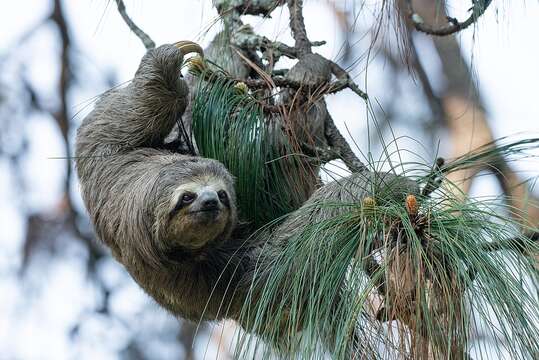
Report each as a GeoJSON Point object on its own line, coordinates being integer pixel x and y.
{"type": "Point", "coordinates": [188, 47]}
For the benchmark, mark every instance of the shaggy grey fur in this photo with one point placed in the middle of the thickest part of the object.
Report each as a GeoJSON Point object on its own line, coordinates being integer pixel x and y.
{"type": "Point", "coordinates": [127, 184]}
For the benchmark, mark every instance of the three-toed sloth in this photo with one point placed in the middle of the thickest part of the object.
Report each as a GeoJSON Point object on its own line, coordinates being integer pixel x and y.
{"type": "Point", "coordinates": [170, 219]}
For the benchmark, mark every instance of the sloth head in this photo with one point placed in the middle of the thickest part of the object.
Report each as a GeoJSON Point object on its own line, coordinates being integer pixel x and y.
{"type": "Point", "coordinates": [197, 206]}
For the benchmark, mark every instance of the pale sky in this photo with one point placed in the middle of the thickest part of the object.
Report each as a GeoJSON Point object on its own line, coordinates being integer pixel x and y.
{"type": "Point", "coordinates": [503, 49]}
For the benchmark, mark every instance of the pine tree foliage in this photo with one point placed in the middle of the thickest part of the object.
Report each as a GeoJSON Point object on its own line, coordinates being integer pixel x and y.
{"type": "Point", "coordinates": [229, 125]}
{"type": "Point", "coordinates": [395, 274]}
{"type": "Point", "coordinates": [444, 269]}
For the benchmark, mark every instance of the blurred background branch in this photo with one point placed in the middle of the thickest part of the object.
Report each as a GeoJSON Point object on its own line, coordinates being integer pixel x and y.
{"type": "Point", "coordinates": [453, 26]}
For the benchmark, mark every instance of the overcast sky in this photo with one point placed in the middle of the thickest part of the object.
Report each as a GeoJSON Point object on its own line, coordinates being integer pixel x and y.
{"type": "Point", "coordinates": [503, 50]}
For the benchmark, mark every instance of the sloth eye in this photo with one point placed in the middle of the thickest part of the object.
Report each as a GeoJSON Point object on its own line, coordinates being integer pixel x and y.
{"type": "Point", "coordinates": [188, 198]}
{"type": "Point", "coordinates": [222, 195]}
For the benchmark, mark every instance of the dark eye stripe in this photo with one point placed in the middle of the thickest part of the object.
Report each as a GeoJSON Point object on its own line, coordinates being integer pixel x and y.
{"type": "Point", "coordinates": [184, 200]}
{"type": "Point", "coordinates": [223, 196]}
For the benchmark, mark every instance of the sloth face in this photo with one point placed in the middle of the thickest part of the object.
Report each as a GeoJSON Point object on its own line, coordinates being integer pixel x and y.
{"type": "Point", "coordinates": [199, 212]}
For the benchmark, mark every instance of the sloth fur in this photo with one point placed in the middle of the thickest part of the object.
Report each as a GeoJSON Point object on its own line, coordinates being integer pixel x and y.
{"type": "Point", "coordinates": [194, 263]}
{"type": "Point", "coordinates": [179, 254]}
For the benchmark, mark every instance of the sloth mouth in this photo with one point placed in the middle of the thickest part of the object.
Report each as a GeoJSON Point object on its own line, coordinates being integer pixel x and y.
{"type": "Point", "coordinates": [205, 211]}
{"type": "Point", "coordinates": [205, 216]}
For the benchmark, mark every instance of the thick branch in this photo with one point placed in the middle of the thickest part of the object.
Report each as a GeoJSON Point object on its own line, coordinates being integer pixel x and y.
{"type": "Point", "coordinates": [297, 26]}
{"type": "Point", "coordinates": [339, 144]}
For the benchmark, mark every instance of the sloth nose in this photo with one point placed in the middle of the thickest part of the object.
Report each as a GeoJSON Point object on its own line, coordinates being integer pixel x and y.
{"type": "Point", "coordinates": [209, 201]}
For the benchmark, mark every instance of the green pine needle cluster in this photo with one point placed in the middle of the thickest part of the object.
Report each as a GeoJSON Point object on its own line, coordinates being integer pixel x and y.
{"type": "Point", "coordinates": [229, 125]}
{"type": "Point", "coordinates": [438, 277]}
{"type": "Point", "coordinates": [386, 278]}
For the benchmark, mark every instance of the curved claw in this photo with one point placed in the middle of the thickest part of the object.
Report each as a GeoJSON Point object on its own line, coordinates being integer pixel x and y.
{"type": "Point", "coordinates": [188, 47]}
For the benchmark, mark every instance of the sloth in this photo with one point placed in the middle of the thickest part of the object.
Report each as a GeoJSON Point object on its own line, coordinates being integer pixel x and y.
{"type": "Point", "coordinates": [167, 217]}
{"type": "Point", "coordinates": [171, 219]}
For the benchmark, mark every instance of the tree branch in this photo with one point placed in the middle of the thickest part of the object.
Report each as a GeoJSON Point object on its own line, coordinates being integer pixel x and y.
{"type": "Point", "coordinates": [146, 40]}
{"type": "Point", "coordinates": [338, 143]}
{"type": "Point", "coordinates": [250, 40]}
{"type": "Point", "coordinates": [252, 7]}
{"type": "Point", "coordinates": [297, 26]}
{"type": "Point", "coordinates": [453, 26]}
{"type": "Point", "coordinates": [344, 81]}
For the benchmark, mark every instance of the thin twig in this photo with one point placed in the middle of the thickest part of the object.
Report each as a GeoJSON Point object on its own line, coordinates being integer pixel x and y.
{"type": "Point", "coordinates": [344, 81]}
{"type": "Point", "coordinates": [453, 26]}
{"type": "Point", "coordinates": [146, 40]}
